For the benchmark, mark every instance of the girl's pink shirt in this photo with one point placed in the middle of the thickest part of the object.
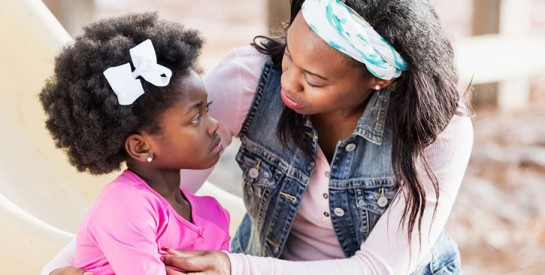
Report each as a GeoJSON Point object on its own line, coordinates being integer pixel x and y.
{"type": "Point", "coordinates": [129, 223]}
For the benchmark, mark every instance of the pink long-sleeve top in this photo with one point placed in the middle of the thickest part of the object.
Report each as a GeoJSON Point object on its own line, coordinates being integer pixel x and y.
{"type": "Point", "coordinates": [129, 223]}
{"type": "Point", "coordinates": [231, 85]}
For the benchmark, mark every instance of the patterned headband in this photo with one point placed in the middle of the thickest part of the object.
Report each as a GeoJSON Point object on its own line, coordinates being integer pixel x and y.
{"type": "Point", "coordinates": [345, 30]}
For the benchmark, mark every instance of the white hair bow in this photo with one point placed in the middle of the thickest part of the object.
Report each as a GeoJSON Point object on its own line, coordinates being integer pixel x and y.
{"type": "Point", "coordinates": [124, 82]}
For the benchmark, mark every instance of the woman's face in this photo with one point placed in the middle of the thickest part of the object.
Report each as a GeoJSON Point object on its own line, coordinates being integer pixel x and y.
{"type": "Point", "coordinates": [318, 79]}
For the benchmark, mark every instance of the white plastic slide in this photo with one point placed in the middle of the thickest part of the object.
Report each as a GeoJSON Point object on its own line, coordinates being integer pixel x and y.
{"type": "Point", "coordinates": [42, 198]}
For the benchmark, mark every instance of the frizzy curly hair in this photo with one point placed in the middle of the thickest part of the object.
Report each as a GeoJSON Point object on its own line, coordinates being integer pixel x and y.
{"type": "Point", "coordinates": [83, 113]}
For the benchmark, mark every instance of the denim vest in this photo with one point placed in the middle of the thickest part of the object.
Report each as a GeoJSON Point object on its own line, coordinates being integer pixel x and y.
{"type": "Point", "coordinates": [276, 178]}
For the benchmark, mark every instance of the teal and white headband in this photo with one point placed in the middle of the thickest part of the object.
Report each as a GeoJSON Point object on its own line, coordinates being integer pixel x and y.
{"type": "Point", "coordinates": [345, 30]}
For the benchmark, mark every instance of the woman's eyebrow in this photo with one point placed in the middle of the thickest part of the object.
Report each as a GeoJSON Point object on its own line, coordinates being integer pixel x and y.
{"type": "Point", "coordinates": [306, 71]}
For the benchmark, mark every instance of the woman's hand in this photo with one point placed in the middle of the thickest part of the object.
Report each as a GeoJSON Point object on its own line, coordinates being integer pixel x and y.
{"type": "Point", "coordinates": [202, 262]}
{"type": "Point", "coordinates": [70, 270]}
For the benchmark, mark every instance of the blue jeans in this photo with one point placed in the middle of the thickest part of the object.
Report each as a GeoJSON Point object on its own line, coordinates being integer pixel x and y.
{"type": "Point", "coordinates": [442, 263]}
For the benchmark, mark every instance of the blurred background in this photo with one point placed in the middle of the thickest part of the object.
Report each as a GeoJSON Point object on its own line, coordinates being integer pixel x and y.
{"type": "Point", "coordinates": [499, 216]}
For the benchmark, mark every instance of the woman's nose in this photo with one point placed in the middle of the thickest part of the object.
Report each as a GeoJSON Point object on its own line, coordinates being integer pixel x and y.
{"type": "Point", "coordinates": [290, 80]}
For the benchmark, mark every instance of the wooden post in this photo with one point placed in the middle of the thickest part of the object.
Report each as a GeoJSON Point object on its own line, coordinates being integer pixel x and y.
{"type": "Point", "coordinates": [278, 13]}
{"type": "Point", "coordinates": [486, 17]}
{"type": "Point", "coordinates": [514, 93]}
{"type": "Point", "coordinates": [72, 14]}
{"type": "Point", "coordinates": [509, 18]}
{"type": "Point", "coordinates": [486, 20]}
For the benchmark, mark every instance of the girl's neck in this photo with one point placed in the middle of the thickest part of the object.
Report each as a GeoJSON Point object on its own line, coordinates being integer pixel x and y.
{"type": "Point", "coordinates": [167, 184]}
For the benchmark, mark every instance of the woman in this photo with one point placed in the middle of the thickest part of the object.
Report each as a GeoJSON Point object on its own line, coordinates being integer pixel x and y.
{"type": "Point", "coordinates": [354, 143]}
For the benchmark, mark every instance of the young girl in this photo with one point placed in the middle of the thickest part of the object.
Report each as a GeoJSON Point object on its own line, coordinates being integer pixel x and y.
{"type": "Point", "coordinates": [126, 92]}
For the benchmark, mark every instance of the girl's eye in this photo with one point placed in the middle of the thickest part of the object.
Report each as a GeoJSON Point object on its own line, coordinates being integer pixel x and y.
{"type": "Point", "coordinates": [208, 105]}
{"type": "Point", "coordinates": [196, 120]}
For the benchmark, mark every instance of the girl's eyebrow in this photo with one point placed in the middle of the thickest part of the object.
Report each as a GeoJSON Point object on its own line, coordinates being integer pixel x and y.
{"type": "Point", "coordinates": [196, 105]}
{"type": "Point", "coordinates": [306, 71]}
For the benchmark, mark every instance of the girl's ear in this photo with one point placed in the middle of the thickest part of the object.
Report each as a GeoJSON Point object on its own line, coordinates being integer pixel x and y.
{"type": "Point", "coordinates": [379, 84]}
{"type": "Point", "coordinates": [138, 147]}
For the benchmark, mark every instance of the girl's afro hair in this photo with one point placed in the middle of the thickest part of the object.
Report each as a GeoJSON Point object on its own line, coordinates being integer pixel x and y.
{"type": "Point", "coordinates": [83, 114]}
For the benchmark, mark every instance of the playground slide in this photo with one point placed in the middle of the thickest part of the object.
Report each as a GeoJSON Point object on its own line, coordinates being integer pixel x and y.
{"type": "Point", "coordinates": [42, 198]}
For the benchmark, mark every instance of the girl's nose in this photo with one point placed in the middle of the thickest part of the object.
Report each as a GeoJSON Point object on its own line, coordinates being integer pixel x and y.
{"type": "Point", "coordinates": [213, 125]}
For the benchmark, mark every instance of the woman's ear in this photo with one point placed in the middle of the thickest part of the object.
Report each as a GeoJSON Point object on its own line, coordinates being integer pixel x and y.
{"type": "Point", "coordinates": [379, 84]}
{"type": "Point", "coordinates": [138, 147]}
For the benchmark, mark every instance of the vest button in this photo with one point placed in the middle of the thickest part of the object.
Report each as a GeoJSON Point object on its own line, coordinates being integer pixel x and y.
{"type": "Point", "coordinates": [382, 201]}
{"type": "Point", "coordinates": [350, 147]}
{"type": "Point", "coordinates": [338, 212]}
{"type": "Point", "coordinates": [253, 173]}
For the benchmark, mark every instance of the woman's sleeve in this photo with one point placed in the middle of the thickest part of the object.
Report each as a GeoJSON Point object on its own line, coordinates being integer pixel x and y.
{"type": "Point", "coordinates": [387, 249]}
{"type": "Point", "coordinates": [64, 258]}
{"type": "Point", "coordinates": [231, 87]}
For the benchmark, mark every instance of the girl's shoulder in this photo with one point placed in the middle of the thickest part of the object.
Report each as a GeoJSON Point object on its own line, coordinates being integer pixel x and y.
{"type": "Point", "coordinates": [126, 189]}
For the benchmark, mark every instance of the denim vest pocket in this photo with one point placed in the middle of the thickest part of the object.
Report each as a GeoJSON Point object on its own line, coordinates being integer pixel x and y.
{"type": "Point", "coordinates": [371, 199]}
{"type": "Point", "coordinates": [260, 178]}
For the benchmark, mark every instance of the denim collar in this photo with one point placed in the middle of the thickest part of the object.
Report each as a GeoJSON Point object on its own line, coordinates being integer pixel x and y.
{"type": "Point", "coordinates": [371, 124]}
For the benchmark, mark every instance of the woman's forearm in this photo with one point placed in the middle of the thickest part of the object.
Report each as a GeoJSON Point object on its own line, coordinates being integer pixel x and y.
{"type": "Point", "coordinates": [64, 258]}
{"type": "Point", "coordinates": [245, 264]}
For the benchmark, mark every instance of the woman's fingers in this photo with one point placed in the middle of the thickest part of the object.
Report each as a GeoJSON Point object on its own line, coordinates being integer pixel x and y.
{"type": "Point", "coordinates": [184, 253]}
{"type": "Point", "coordinates": [183, 262]}
{"type": "Point", "coordinates": [195, 262]}
{"type": "Point", "coordinates": [172, 271]}
{"type": "Point", "coordinates": [70, 271]}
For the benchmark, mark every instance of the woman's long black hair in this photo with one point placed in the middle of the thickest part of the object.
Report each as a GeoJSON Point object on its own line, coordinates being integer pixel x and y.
{"type": "Point", "coordinates": [423, 101]}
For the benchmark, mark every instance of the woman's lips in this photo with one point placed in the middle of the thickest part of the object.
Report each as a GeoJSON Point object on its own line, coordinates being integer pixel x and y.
{"type": "Point", "coordinates": [288, 101]}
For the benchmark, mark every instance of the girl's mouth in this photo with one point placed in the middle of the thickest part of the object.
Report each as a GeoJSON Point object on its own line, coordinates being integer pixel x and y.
{"type": "Point", "coordinates": [217, 146]}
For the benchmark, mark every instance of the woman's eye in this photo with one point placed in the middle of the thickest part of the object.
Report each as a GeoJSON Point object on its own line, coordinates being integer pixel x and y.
{"type": "Point", "coordinates": [196, 120]}
{"type": "Point", "coordinates": [313, 85]}
{"type": "Point", "coordinates": [208, 105]}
